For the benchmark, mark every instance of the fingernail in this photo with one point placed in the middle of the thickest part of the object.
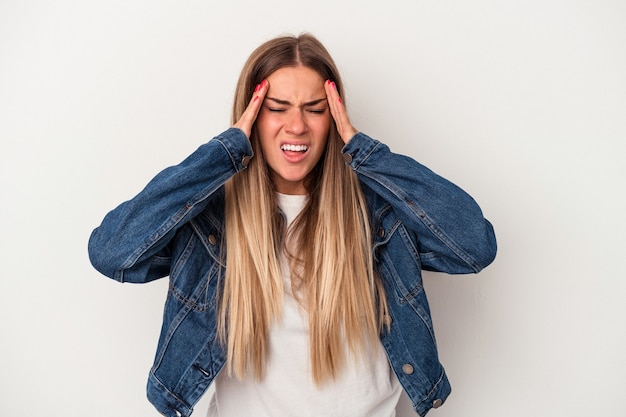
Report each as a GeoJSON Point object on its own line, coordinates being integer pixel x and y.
{"type": "Point", "coordinates": [340, 99]}
{"type": "Point", "coordinates": [263, 83]}
{"type": "Point", "coordinates": [328, 82]}
{"type": "Point", "coordinates": [257, 88]}
{"type": "Point", "coordinates": [334, 85]}
{"type": "Point", "coordinates": [255, 99]}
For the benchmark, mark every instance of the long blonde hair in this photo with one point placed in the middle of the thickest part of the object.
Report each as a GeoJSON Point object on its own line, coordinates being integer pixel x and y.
{"type": "Point", "coordinates": [331, 262]}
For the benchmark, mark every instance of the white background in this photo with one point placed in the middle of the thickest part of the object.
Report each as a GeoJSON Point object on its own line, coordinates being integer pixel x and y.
{"type": "Point", "coordinates": [521, 103]}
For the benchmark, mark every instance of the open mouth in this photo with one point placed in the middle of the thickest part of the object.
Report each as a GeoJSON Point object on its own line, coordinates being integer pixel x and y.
{"type": "Point", "coordinates": [294, 148]}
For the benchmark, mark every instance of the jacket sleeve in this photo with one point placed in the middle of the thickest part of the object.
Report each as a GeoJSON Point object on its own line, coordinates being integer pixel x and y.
{"type": "Point", "coordinates": [453, 236]}
{"type": "Point", "coordinates": [131, 243]}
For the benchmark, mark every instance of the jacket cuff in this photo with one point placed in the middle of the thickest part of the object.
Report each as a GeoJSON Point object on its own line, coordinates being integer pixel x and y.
{"type": "Point", "coordinates": [237, 146]}
{"type": "Point", "coordinates": [356, 151]}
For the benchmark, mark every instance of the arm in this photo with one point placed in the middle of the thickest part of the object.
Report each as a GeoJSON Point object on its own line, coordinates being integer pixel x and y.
{"type": "Point", "coordinates": [131, 243]}
{"type": "Point", "coordinates": [449, 225]}
{"type": "Point", "coordinates": [453, 235]}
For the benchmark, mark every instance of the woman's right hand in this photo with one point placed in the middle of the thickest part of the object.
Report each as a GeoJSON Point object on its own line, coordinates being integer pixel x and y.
{"type": "Point", "coordinates": [249, 115]}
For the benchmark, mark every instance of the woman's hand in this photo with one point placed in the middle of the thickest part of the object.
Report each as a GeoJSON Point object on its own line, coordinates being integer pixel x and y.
{"type": "Point", "coordinates": [249, 116]}
{"type": "Point", "coordinates": [338, 111]}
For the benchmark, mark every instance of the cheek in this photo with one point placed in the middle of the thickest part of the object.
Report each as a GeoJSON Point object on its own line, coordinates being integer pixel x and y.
{"type": "Point", "coordinates": [268, 118]}
{"type": "Point", "coordinates": [321, 125]}
{"type": "Point", "coordinates": [262, 124]}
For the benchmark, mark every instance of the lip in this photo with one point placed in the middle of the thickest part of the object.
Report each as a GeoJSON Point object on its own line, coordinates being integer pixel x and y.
{"type": "Point", "coordinates": [294, 156]}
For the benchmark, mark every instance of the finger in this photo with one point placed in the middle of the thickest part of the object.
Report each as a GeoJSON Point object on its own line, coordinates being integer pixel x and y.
{"type": "Point", "coordinates": [332, 95]}
{"type": "Point", "coordinates": [338, 112]}
{"type": "Point", "coordinates": [250, 114]}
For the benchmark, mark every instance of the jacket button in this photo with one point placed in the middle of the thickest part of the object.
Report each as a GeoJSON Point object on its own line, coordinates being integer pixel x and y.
{"type": "Point", "coordinates": [437, 403]}
{"type": "Point", "coordinates": [347, 158]}
{"type": "Point", "coordinates": [407, 368]}
{"type": "Point", "coordinates": [212, 239]}
{"type": "Point", "coordinates": [381, 232]}
{"type": "Point", "coordinates": [245, 161]}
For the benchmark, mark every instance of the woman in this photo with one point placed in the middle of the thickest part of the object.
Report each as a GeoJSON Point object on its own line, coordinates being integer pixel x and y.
{"type": "Point", "coordinates": [294, 247]}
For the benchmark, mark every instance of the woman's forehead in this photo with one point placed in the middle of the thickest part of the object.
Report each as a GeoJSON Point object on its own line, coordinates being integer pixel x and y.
{"type": "Point", "coordinates": [296, 85]}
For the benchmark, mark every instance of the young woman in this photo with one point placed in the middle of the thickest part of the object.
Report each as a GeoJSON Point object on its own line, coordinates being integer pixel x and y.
{"type": "Point", "coordinates": [294, 246]}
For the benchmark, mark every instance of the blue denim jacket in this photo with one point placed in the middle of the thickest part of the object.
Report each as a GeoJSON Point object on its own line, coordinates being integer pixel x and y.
{"type": "Point", "coordinates": [174, 227]}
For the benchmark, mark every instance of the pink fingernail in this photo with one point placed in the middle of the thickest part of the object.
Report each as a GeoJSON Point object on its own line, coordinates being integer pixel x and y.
{"type": "Point", "coordinates": [255, 99]}
{"type": "Point", "coordinates": [334, 85]}
{"type": "Point", "coordinates": [339, 98]}
{"type": "Point", "coordinates": [257, 88]}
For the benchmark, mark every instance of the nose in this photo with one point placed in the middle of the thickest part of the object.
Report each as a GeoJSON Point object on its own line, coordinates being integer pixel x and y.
{"type": "Point", "coordinates": [295, 123]}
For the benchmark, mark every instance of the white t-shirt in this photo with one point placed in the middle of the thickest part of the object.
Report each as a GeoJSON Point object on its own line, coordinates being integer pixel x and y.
{"type": "Point", "coordinates": [363, 389]}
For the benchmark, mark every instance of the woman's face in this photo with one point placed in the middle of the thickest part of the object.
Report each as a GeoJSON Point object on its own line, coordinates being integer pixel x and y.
{"type": "Point", "coordinates": [293, 125]}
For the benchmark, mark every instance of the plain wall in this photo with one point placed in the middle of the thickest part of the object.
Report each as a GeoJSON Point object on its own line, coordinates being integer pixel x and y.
{"type": "Point", "coordinates": [521, 103]}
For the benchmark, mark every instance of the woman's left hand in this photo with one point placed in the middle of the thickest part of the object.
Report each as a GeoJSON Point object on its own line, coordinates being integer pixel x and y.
{"type": "Point", "coordinates": [338, 111]}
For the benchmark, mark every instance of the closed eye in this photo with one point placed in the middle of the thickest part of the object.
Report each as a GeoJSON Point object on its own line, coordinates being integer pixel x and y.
{"type": "Point", "coordinates": [308, 106]}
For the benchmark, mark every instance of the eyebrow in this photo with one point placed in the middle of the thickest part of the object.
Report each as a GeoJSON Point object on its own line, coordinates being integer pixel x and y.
{"type": "Point", "coordinates": [287, 103]}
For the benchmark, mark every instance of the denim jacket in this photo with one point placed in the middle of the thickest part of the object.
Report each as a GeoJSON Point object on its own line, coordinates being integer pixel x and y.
{"type": "Point", "coordinates": [175, 228]}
